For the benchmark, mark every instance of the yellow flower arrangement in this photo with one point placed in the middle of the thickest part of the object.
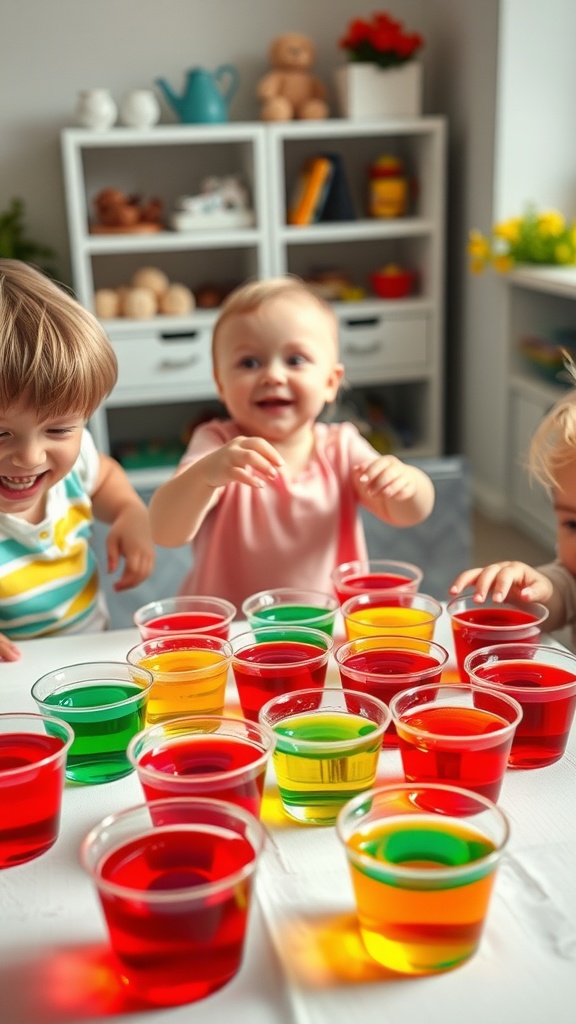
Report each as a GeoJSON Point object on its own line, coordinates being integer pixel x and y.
{"type": "Point", "coordinates": [534, 238]}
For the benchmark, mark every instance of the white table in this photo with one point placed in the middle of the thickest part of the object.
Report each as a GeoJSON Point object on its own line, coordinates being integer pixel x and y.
{"type": "Point", "coordinates": [303, 964]}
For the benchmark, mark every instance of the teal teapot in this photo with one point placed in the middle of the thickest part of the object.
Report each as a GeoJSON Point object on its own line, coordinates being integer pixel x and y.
{"type": "Point", "coordinates": [206, 95]}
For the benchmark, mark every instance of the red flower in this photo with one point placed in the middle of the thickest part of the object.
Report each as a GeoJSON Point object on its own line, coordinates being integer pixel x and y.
{"type": "Point", "coordinates": [381, 41]}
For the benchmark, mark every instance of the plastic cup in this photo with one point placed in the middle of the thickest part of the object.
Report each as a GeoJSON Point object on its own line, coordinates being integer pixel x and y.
{"type": "Point", "coordinates": [543, 681]}
{"type": "Point", "coordinates": [105, 704]}
{"type": "Point", "coordinates": [205, 615]}
{"type": "Point", "coordinates": [33, 751]}
{"type": "Point", "coordinates": [189, 672]}
{"type": "Point", "coordinates": [293, 607]}
{"type": "Point", "coordinates": [327, 748]}
{"type": "Point", "coordinates": [214, 757]}
{"type": "Point", "coordinates": [174, 879]}
{"type": "Point", "coordinates": [271, 660]}
{"type": "Point", "coordinates": [423, 860]}
{"type": "Point", "coordinates": [384, 613]}
{"type": "Point", "coordinates": [480, 625]}
{"type": "Point", "coordinates": [383, 665]}
{"type": "Point", "coordinates": [358, 577]}
{"type": "Point", "coordinates": [456, 733]}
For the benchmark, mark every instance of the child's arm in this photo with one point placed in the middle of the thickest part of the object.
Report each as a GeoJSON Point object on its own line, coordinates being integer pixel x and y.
{"type": "Point", "coordinates": [399, 494]}
{"type": "Point", "coordinates": [514, 581]}
{"type": "Point", "coordinates": [179, 506]}
{"type": "Point", "coordinates": [115, 501]}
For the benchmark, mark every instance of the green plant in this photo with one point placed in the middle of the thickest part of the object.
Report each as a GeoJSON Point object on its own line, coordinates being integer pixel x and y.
{"type": "Point", "coordinates": [15, 243]}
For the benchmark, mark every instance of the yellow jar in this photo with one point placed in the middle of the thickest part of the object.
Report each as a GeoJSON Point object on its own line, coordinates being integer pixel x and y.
{"type": "Point", "coordinates": [389, 188]}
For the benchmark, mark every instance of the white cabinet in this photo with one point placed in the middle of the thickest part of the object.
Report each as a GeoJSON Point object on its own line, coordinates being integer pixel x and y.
{"type": "Point", "coordinates": [542, 302]}
{"type": "Point", "coordinates": [392, 349]}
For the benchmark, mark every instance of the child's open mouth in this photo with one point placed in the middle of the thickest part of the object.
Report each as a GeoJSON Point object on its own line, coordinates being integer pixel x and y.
{"type": "Point", "coordinates": [20, 486]}
{"type": "Point", "coordinates": [274, 403]}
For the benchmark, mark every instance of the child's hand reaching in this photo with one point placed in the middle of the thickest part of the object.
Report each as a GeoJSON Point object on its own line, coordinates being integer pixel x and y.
{"type": "Point", "coordinates": [129, 538]}
{"type": "Point", "coordinates": [407, 492]}
{"type": "Point", "coordinates": [8, 650]}
{"type": "Point", "coordinates": [245, 460]}
{"type": "Point", "coordinates": [505, 580]}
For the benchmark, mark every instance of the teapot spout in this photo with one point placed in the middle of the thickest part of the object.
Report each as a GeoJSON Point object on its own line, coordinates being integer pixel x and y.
{"type": "Point", "coordinates": [175, 101]}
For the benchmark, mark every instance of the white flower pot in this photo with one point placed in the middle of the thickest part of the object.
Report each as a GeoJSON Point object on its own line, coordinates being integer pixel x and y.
{"type": "Point", "coordinates": [366, 91]}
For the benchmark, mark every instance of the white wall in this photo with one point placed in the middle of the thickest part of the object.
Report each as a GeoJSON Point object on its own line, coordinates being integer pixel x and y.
{"type": "Point", "coordinates": [503, 71]}
{"type": "Point", "coordinates": [49, 49]}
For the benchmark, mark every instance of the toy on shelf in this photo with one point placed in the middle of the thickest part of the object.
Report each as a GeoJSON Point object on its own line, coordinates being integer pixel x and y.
{"type": "Point", "coordinates": [389, 191]}
{"type": "Point", "coordinates": [149, 293]}
{"type": "Point", "coordinates": [392, 281]}
{"type": "Point", "coordinates": [206, 94]}
{"type": "Point", "coordinates": [290, 90]}
{"type": "Point", "coordinates": [221, 203]}
{"type": "Point", "coordinates": [119, 213]}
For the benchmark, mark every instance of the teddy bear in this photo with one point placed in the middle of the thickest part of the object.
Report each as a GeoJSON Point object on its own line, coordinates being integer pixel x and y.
{"type": "Point", "coordinates": [290, 90]}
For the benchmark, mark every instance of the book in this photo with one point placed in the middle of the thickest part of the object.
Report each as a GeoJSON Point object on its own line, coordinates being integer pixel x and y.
{"type": "Point", "coordinates": [338, 203]}
{"type": "Point", "coordinates": [311, 191]}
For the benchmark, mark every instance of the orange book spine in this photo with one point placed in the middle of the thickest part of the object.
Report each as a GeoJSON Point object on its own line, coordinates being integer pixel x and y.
{"type": "Point", "coordinates": [312, 188]}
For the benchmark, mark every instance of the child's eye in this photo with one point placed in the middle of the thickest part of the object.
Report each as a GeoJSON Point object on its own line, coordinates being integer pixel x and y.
{"type": "Point", "coordinates": [249, 363]}
{"type": "Point", "coordinates": [60, 431]}
{"type": "Point", "coordinates": [569, 524]}
{"type": "Point", "coordinates": [296, 360]}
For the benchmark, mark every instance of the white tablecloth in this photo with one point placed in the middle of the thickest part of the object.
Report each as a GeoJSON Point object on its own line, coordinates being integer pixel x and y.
{"type": "Point", "coordinates": [304, 962]}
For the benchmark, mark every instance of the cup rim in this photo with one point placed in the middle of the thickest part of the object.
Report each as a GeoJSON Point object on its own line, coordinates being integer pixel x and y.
{"type": "Point", "coordinates": [359, 563]}
{"type": "Point", "coordinates": [39, 717]}
{"type": "Point", "coordinates": [187, 892]}
{"type": "Point", "coordinates": [325, 611]}
{"type": "Point", "coordinates": [202, 599]}
{"type": "Point", "coordinates": [527, 694]}
{"type": "Point", "coordinates": [324, 648]}
{"type": "Point", "coordinates": [483, 739]}
{"type": "Point", "coordinates": [153, 774]}
{"type": "Point", "coordinates": [540, 611]}
{"type": "Point", "coordinates": [352, 809]}
{"type": "Point", "coordinates": [404, 645]}
{"type": "Point", "coordinates": [336, 745]}
{"type": "Point", "coordinates": [79, 712]}
{"type": "Point", "coordinates": [401, 599]}
{"type": "Point", "coordinates": [191, 641]}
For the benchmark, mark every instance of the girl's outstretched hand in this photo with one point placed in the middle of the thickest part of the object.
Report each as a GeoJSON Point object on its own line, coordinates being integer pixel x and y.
{"type": "Point", "coordinates": [245, 460]}
{"type": "Point", "coordinates": [505, 580]}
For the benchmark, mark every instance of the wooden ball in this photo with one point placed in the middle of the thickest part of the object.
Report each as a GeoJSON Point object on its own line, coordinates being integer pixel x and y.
{"type": "Point", "coordinates": [106, 303]}
{"type": "Point", "coordinates": [139, 304]}
{"type": "Point", "coordinates": [152, 278]}
{"type": "Point", "coordinates": [177, 300]}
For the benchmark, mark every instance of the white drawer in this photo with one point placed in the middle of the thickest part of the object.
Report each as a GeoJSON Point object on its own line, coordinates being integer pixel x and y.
{"type": "Point", "coordinates": [165, 362]}
{"type": "Point", "coordinates": [375, 346]}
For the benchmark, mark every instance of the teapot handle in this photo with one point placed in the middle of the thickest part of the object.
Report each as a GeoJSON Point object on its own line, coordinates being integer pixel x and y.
{"type": "Point", "coordinates": [234, 80]}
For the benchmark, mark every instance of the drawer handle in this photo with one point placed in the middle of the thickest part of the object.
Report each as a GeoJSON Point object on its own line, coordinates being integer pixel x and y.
{"type": "Point", "coordinates": [178, 364]}
{"type": "Point", "coordinates": [178, 335]}
{"type": "Point", "coordinates": [369, 321]}
{"type": "Point", "coordinates": [359, 349]}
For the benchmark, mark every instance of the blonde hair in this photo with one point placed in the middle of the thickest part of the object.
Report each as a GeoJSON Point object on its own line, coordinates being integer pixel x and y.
{"type": "Point", "coordinates": [54, 354]}
{"type": "Point", "coordinates": [249, 297]}
{"type": "Point", "coordinates": [554, 443]}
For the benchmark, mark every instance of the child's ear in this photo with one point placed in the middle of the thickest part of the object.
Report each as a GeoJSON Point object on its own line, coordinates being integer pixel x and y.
{"type": "Point", "coordinates": [334, 381]}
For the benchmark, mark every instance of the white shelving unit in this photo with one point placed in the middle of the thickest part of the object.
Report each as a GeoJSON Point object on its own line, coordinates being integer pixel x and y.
{"type": "Point", "coordinates": [392, 348]}
{"type": "Point", "coordinates": [541, 300]}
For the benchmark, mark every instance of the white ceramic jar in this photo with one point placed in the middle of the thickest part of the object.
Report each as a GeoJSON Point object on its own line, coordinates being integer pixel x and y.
{"type": "Point", "coordinates": [96, 109]}
{"type": "Point", "coordinates": [139, 109]}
